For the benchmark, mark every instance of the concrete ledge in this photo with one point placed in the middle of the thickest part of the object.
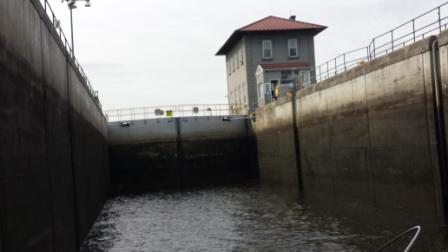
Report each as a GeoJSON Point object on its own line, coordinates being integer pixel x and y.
{"type": "Point", "coordinates": [269, 106]}
{"type": "Point", "coordinates": [172, 129]}
{"type": "Point", "coordinates": [373, 65]}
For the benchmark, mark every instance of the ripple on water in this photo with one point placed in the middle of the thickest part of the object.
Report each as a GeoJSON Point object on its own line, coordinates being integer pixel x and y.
{"type": "Point", "coordinates": [238, 218]}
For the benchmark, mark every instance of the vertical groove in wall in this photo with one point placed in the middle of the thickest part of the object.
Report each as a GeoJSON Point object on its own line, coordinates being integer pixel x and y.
{"type": "Point", "coordinates": [330, 145]}
{"type": "Point", "coordinates": [73, 173]}
{"type": "Point", "coordinates": [44, 85]}
{"type": "Point", "coordinates": [297, 149]}
{"type": "Point", "coordinates": [252, 152]}
{"type": "Point", "coordinates": [247, 141]}
{"type": "Point", "coordinates": [180, 152]}
{"type": "Point", "coordinates": [369, 142]}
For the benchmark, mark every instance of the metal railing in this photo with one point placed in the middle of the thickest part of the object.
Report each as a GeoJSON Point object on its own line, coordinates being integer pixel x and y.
{"type": "Point", "coordinates": [429, 23]}
{"type": "Point", "coordinates": [68, 47]}
{"type": "Point", "coordinates": [167, 111]}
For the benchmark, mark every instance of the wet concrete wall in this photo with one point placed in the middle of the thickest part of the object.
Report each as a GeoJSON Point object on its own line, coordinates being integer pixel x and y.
{"type": "Point", "coordinates": [275, 143]}
{"type": "Point", "coordinates": [366, 137]}
{"type": "Point", "coordinates": [53, 154]}
{"type": "Point", "coordinates": [180, 152]}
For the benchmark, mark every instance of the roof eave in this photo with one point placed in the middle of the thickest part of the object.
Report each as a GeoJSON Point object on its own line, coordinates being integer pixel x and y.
{"type": "Point", "coordinates": [285, 68]}
{"type": "Point", "coordinates": [319, 30]}
{"type": "Point", "coordinates": [236, 36]}
{"type": "Point", "coordinates": [232, 40]}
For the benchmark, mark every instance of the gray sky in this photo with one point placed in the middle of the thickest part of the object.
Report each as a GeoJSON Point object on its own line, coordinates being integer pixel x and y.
{"type": "Point", "coordinates": [159, 52]}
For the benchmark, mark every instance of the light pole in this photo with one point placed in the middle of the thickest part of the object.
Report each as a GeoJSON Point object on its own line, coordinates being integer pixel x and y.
{"type": "Point", "coordinates": [72, 5]}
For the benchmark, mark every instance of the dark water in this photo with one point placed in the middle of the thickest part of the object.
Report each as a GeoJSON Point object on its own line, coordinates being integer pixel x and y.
{"type": "Point", "coordinates": [232, 218]}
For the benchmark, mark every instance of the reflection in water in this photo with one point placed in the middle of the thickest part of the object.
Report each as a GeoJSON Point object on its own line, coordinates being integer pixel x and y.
{"type": "Point", "coordinates": [237, 218]}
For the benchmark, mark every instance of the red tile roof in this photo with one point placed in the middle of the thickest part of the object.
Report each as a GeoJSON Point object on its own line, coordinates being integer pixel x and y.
{"type": "Point", "coordinates": [272, 23]}
{"type": "Point", "coordinates": [288, 65]}
{"type": "Point", "coordinates": [268, 24]}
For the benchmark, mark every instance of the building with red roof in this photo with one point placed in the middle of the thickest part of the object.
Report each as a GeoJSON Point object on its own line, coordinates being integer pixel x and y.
{"type": "Point", "coordinates": [273, 47]}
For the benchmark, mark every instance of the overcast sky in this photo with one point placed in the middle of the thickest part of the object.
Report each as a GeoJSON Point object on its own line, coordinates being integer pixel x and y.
{"type": "Point", "coordinates": [160, 52]}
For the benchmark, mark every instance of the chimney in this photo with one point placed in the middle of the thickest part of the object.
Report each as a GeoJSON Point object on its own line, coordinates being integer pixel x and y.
{"type": "Point", "coordinates": [292, 18]}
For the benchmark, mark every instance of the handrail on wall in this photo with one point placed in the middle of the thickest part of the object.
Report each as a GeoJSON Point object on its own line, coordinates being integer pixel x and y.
{"type": "Point", "coordinates": [429, 23]}
{"type": "Point", "coordinates": [68, 47]}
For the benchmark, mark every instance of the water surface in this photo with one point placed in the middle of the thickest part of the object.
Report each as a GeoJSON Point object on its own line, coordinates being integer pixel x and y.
{"type": "Point", "coordinates": [230, 218]}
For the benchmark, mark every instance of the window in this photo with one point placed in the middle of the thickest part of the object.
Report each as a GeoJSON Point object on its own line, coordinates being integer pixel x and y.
{"type": "Point", "coordinates": [228, 68]}
{"type": "Point", "coordinates": [286, 75]}
{"type": "Point", "coordinates": [267, 49]}
{"type": "Point", "coordinates": [292, 48]}
{"type": "Point", "coordinates": [242, 58]}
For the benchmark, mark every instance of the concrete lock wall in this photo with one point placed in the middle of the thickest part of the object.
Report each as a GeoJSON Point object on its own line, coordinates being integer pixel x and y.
{"type": "Point", "coordinates": [179, 152]}
{"type": "Point", "coordinates": [367, 136]}
{"type": "Point", "coordinates": [53, 154]}
{"type": "Point", "coordinates": [275, 143]}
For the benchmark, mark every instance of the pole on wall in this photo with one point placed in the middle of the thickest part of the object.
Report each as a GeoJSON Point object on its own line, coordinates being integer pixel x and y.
{"type": "Point", "coordinates": [72, 5]}
{"type": "Point", "coordinates": [297, 136]}
{"type": "Point", "coordinates": [439, 119]}
{"type": "Point", "coordinates": [71, 31]}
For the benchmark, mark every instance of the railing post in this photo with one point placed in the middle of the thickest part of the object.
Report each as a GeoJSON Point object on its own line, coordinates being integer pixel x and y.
{"type": "Point", "coordinates": [368, 53]}
{"type": "Point", "coordinates": [345, 65]}
{"type": "Point", "coordinates": [413, 28]}
{"type": "Point", "coordinates": [392, 39]}
{"type": "Point", "coordinates": [335, 66]}
{"type": "Point", "coordinates": [320, 73]}
{"type": "Point", "coordinates": [374, 50]}
{"type": "Point", "coordinates": [440, 21]}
